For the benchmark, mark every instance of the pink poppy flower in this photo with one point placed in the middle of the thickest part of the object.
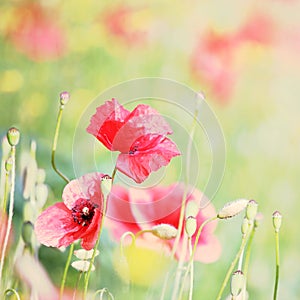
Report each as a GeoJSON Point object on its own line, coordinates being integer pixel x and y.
{"type": "Point", "coordinates": [139, 135]}
{"type": "Point", "coordinates": [78, 217]}
{"type": "Point", "coordinates": [118, 22]}
{"type": "Point", "coordinates": [135, 210]}
{"type": "Point", "coordinates": [213, 62]}
{"type": "Point", "coordinates": [36, 33]}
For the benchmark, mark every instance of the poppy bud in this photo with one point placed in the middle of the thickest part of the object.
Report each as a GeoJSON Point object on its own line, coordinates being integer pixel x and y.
{"type": "Point", "coordinates": [82, 265]}
{"type": "Point", "coordinates": [192, 209]}
{"type": "Point", "coordinates": [85, 254]}
{"type": "Point", "coordinates": [164, 231]}
{"type": "Point", "coordinates": [251, 210]}
{"type": "Point", "coordinates": [41, 194]}
{"type": "Point", "coordinates": [237, 283]}
{"type": "Point", "coordinates": [277, 218]}
{"type": "Point", "coordinates": [232, 208]}
{"type": "Point", "coordinates": [8, 164]}
{"type": "Point", "coordinates": [64, 98]}
{"type": "Point", "coordinates": [106, 184]}
{"type": "Point", "coordinates": [13, 136]}
{"type": "Point", "coordinates": [27, 229]}
{"type": "Point", "coordinates": [190, 226]}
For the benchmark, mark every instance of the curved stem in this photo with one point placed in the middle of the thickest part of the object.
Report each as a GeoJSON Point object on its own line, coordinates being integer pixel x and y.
{"type": "Point", "coordinates": [55, 145]}
{"type": "Point", "coordinates": [12, 291]}
{"type": "Point", "coordinates": [11, 209]}
{"type": "Point", "coordinates": [229, 272]}
{"type": "Point", "coordinates": [277, 265]}
{"type": "Point", "coordinates": [76, 285]}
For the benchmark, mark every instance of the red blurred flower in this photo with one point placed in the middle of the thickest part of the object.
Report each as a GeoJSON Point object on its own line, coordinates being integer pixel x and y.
{"type": "Point", "coordinates": [78, 217]}
{"type": "Point", "coordinates": [36, 33]}
{"type": "Point", "coordinates": [135, 210]}
{"type": "Point", "coordinates": [213, 62]}
{"type": "Point", "coordinates": [139, 135]}
{"type": "Point", "coordinates": [118, 22]}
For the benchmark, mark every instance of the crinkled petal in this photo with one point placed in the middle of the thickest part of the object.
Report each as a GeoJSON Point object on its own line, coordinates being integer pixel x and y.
{"type": "Point", "coordinates": [143, 120]}
{"type": "Point", "coordinates": [107, 121]}
{"type": "Point", "coordinates": [150, 158]}
{"type": "Point", "coordinates": [85, 187]}
{"type": "Point", "coordinates": [55, 226]}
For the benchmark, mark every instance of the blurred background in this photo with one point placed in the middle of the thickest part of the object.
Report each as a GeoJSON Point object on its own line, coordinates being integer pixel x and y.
{"type": "Point", "coordinates": [244, 56]}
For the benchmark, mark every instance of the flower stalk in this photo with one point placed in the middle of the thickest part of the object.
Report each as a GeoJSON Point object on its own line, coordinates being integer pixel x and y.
{"type": "Point", "coordinates": [56, 134]}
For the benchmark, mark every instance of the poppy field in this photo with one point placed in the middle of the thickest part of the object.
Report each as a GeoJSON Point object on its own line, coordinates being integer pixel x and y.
{"type": "Point", "coordinates": [149, 150]}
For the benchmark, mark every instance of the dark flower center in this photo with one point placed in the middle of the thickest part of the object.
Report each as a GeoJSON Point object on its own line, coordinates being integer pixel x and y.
{"type": "Point", "coordinates": [133, 150]}
{"type": "Point", "coordinates": [83, 212]}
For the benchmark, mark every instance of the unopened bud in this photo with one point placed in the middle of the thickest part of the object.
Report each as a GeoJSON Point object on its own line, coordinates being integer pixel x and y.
{"type": "Point", "coordinates": [277, 218]}
{"type": "Point", "coordinates": [106, 184]}
{"type": "Point", "coordinates": [64, 98]}
{"type": "Point", "coordinates": [82, 265]}
{"type": "Point", "coordinates": [27, 229]}
{"type": "Point", "coordinates": [164, 231]}
{"type": "Point", "coordinates": [192, 209]}
{"type": "Point", "coordinates": [237, 283]}
{"type": "Point", "coordinates": [251, 210]}
{"type": "Point", "coordinates": [190, 226]}
{"type": "Point", "coordinates": [8, 164]}
{"type": "Point", "coordinates": [85, 254]}
{"type": "Point", "coordinates": [232, 208]}
{"type": "Point", "coordinates": [13, 136]}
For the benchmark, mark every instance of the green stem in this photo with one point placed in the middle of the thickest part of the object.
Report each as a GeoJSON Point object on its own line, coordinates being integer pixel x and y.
{"type": "Point", "coordinates": [247, 260]}
{"type": "Point", "coordinates": [229, 272]}
{"type": "Point", "coordinates": [63, 281]}
{"type": "Point", "coordinates": [277, 265]}
{"type": "Point", "coordinates": [76, 285]}
{"type": "Point", "coordinates": [6, 187]}
{"type": "Point", "coordinates": [183, 202]}
{"type": "Point", "coordinates": [55, 145]}
{"type": "Point", "coordinates": [12, 291]}
{"type": "Point", "coordinates": [88, 274]}
{"type": "Point", "coordinates": [11, 209]}
{"type": "Point", "coordinates": [191, 271]}
{"type": "Point", "coordinates": [190, 264]}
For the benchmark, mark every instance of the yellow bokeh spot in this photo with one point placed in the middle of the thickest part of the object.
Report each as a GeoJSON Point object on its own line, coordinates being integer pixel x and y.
{"type": "Point", "coordinates": [11, 81]}
{"type": "Point", "coordinates": [140, 265]}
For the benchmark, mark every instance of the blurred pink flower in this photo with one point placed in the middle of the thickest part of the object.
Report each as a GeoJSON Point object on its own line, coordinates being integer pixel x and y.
{"type": "Point", "coordinates": [118, 23]}
{"type": "Point", "coordinates": [135, 210]}
{"type": "Point", "coordinates": [78, 217]}
{"type": "Point", "coordinates": [213, 62]}
{"type": "Point", "coordinates": [3, 227]}
{"type": "Point", "coordinates": [36, 33]}
{"type": "Point", "coordinates": [139, 135]}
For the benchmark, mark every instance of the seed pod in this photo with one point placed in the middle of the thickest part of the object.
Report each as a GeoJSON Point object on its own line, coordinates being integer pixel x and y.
{"type": "Point", "coordinates": [13, 136]}
{"type": "Point", "coordinates": [237, 283]}
{"type": "Point", "coordinates": [164, 231]}
{"type": "Point", "coordinates": [232, 208]}
{"type": "Point", "coordinates": [190, 226]}
{"type": "Point", "coordinates": [106, 184]}
{"type": "Point", "coordinates": [64, 98]}
{"type": "Point", "coordinates": [277, 219]}
{"type": "Point", "coordinates": [251, 210]}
